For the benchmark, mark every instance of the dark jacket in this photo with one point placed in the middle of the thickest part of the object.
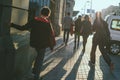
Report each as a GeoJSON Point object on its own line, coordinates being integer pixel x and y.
{"type": "Point", "coordinates": [42, 34]}
{"type": "Point", "coordinates": [86, 27]}
{"type": "Point", "coordinates": [101, 31]}
{"type": "Point", "coordinates": [78, 25]}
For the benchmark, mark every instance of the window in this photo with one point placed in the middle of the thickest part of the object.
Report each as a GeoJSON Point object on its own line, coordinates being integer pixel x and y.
{"type": "Point", "coordinates": [115, 24]}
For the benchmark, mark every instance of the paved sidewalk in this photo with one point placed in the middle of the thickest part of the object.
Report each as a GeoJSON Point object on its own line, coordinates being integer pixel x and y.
{"type": "Point", "coordinates": [58, 46]}
{"type": "Point", "coordinates": [68, 64]}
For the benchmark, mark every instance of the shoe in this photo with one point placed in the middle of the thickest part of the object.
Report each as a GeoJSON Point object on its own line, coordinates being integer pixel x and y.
{"type": "Point", "coordinates": [63, 44]}
{"type": "Point", "coordinates": [91, 63]}
{"type": "Point", "coordinates": [83, 50]}
{"type": "Point", "coordinates": [111, 67]}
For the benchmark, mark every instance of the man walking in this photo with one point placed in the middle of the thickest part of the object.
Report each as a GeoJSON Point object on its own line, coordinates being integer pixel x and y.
{"type": "Point", "coordinates": [41, 37]}
{"type": "Point", "coordinates": [100, 38]}
{"type": "Point", "coordinates": [85, 30]}
{"type": "Point", "coordinates": [66, 26]}
{"type": "Point", "coordinates": [77, 31]}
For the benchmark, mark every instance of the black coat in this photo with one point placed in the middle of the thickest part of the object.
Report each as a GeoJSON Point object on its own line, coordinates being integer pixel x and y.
{"type": "Point", "coordinates": [78, 24]}
{"type": "Point", "coordinates": [86, 27]}
{"type": "Point", "coordinates": [100, 27]}
{"type": "Point", "coordinates": [42, 34]}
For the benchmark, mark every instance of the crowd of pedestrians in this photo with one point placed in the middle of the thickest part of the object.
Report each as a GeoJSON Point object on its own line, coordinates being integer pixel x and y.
{"type": "Point", "coordinates": [41, 26]}
{"type": "Point", "coordinates": [84, 27]}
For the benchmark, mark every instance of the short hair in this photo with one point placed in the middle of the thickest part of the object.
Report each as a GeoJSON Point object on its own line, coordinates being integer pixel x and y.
{"type": "Point", "coordinates": [98, 14]}
{"type": "Point", "coordinates": [79, 16]}
{"type": "Point", "coordinates": [45, 11]}
{"type": "Point", "coordinates": [86, 17]}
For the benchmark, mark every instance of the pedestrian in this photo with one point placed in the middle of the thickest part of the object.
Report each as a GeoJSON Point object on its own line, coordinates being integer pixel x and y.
{"type": "Point", "coordinates": [41, 37]}
{"type": "Point", "coordinates": [66, 26]}
{"type": "Point", "coordinates": [85, 30]}
{"type": "Point", "coordinates": [77, 31]}
{"type": "Point", "coordinates": [100, 38]}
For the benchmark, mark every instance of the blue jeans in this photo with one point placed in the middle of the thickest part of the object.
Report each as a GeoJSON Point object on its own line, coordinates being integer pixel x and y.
{"type": "Point", "coordinates": [66, 35]}
{"type": "Point", "coordinates": [38, 62]}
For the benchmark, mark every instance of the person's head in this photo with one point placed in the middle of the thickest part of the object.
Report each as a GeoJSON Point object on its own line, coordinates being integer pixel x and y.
{"type": "Point", "coordinates": [79, 16]}
{"type": "Point", "coordinates": [98, 15]}
{"type": "Point", "coordinates": [45, 11]}
{"type": "Point", "coordinates": [86, 17]}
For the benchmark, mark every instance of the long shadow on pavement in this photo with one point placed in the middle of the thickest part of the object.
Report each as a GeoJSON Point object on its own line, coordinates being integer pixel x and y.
{"type": "Point", "coordinates": [107, 74]}
{"type": "Point", "coordinates": [91, 73]}
{"type": "Point", "coordinates": [72, 75]}
{"type": "Point", "coordinates": [58, 72]}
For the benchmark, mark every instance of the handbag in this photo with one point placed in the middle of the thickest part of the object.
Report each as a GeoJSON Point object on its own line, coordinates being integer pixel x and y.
{"type": "Point", "coordinates": [71, 30]}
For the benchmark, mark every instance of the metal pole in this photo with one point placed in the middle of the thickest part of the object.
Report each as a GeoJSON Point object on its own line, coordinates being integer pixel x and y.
{"type": "Point", "coordinates": [91, 9]}
{"type": "Point", "coordinates": [85, 6]}
{"type": "Point", "coordinates": [119, 9]}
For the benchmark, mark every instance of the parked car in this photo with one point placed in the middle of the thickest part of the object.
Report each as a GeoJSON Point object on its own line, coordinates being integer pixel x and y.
{"type": "Point", "coordinates": [114, 28]}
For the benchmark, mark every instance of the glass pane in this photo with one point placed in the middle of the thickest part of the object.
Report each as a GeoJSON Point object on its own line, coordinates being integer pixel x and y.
{"type": "Point", "coordinates": [116, 24]}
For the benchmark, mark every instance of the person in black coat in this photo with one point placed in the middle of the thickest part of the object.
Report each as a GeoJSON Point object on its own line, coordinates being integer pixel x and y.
{"type": "Point", "coordinates": [41, 37]}
{"type": "Point", "coordinates": [100, 38]}
{"type": "Point", "coordinates": [85, 30]}
{"type": "Point", "coordinates": [77, 31]}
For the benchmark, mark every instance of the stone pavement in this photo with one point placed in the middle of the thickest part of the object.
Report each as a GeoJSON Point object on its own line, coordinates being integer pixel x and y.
{"type": "Point", "coordinates": [65, 63]}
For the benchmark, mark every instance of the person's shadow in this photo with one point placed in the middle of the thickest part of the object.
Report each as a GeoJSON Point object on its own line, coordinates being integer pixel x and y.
{"type": "Point", "coordinates": [91, 74]}
{"type": "Point", "coordinates": [72, 75]}
{"type": "Point", "coordinates": [57, 72]}
{"type": "Point", "coordinates": [107, 74]}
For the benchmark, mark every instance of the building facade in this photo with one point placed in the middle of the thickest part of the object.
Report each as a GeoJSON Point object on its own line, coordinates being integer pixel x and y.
{"type": "Point", "coordinates": [69, 6]}
{"type": "Point", "coordinates": [7, 51]}
{"type": "Point", "coordinates": [16, 55]}
{"type": "Point", "coordinates": [111, 10]}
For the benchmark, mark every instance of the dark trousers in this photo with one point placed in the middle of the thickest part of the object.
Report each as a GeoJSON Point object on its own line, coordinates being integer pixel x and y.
{"type": "Point", "coordinates": [38, 62]}
{"type": "Point", "coordinates": [102, 49]}
{"type": "Point", "coordinates": [77, 40]}
{"type": "Point", "coordinates": [85, 37]}
{"type": "Point", "coordinates": [66, 35]}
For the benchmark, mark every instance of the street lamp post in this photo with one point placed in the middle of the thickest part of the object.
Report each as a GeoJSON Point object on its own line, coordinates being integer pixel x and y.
{"type": "Point", "coordinates": [85, 6]}
{"type": "Point", "coordinates": [91, 9]}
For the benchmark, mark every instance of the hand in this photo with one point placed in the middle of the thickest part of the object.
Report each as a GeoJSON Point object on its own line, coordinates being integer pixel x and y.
{"type": "Point", "coordinates": [11, 24]}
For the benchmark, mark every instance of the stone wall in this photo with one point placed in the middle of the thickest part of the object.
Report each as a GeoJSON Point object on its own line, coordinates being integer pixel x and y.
{"type": "Point", "coordinates": [24, 54]}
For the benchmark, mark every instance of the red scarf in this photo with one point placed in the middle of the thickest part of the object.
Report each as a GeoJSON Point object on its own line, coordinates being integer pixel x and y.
{"type": "Point", "coordinates": [53, 34]}
{"type": "Point", "coordinates": [42, 19]}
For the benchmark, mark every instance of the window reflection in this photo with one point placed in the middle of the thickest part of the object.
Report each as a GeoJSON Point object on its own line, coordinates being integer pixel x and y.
{"type": "Point", "coordinates": [115, 24]}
